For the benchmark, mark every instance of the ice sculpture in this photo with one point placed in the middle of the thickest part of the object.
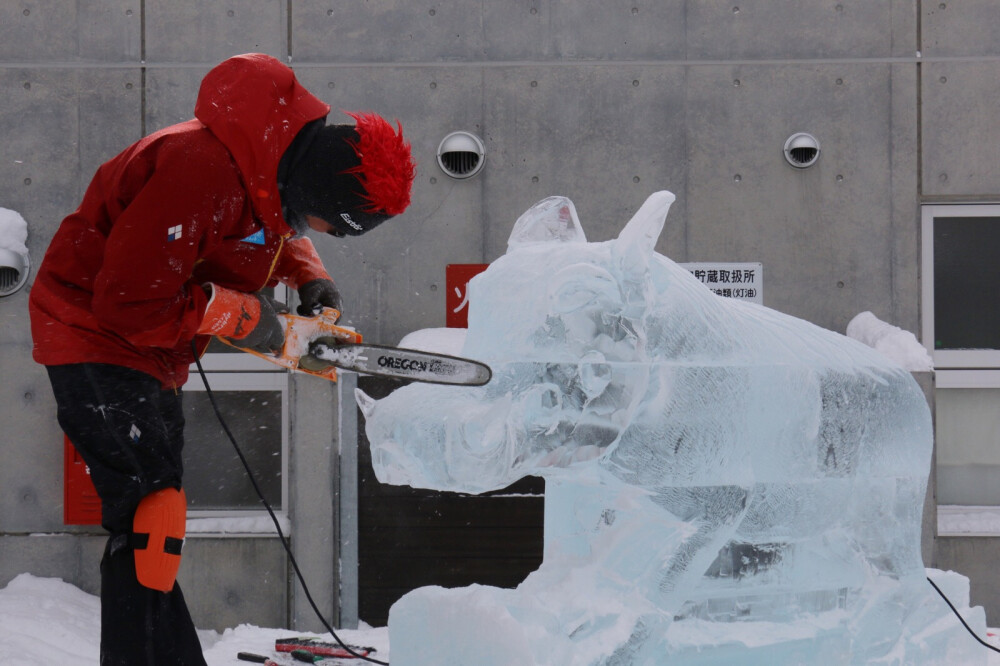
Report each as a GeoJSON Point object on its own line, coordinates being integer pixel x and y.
{"type": "Point", "coordinates": [725, 484]}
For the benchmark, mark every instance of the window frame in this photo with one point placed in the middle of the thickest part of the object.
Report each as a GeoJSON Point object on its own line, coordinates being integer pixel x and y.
{"type": "Point", "coordinates": [957, 368]}
{"type": "Point", "coordinates": [949, 358]}
{"type": "Point", "coordinates": [250, 381]}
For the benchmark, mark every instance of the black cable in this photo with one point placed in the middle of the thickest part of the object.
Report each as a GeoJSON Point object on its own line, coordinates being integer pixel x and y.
{"type": "Point", "coordinates": [960, 618]}
{"type": "Point", "coordinates": [274, 519]}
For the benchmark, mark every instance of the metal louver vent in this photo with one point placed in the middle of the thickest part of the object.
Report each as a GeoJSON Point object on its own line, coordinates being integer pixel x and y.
{"type": "Point", "coordinates": [801, 150]}
{"type": "Point", "coordinates": [14, 269]}
{"type": "Point", "coordinates": [803, 155]}
{"type": "Point", "coordinates": [460, 163]}
{"type": "Point", "coordinates": [461, 155]}
{"type": "Point", "coordinates": [8, 279]}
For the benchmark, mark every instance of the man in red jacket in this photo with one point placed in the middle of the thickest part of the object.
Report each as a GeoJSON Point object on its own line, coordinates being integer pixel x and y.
{"type": "Point", "coordinates": [172, 244]}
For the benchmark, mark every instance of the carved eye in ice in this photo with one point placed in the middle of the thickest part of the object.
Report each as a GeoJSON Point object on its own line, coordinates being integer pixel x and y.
{"type": "Point", "coordinates": [582, 285]}
{"type": "Point", "coordinates": [482, 433]}
{"type": "Point", "coordinates": [595, 374]}
{"type": "Point", "coordinates": [542, 408]}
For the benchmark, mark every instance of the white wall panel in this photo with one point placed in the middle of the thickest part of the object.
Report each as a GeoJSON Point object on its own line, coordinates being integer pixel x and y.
{"type": "Point", "coordinates": [93, 32]}
{"type": "Point", "coordinates": [959, 28]}
{"type": "Point", "coordinates": [198, 31]}
{"type": "Point", "coordinates": [960, 104]}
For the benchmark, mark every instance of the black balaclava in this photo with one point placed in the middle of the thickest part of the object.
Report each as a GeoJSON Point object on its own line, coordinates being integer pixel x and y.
{"type": "Point", "coordinates": [317, 176]}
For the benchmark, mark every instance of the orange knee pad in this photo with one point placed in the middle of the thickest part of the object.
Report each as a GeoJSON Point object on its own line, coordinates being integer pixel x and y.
{"type": "Point", "coordinates": [158, 529]}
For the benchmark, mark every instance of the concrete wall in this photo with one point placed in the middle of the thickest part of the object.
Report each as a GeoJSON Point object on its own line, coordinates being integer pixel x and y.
{"type": "Point", "coordinates": [604, 102]}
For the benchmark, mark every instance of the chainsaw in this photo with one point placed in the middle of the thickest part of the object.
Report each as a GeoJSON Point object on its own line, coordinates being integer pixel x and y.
{"type": "Point", "coordinates": [318, 346]}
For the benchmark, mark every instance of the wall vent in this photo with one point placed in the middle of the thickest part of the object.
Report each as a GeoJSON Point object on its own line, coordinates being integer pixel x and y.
{"type": "Point", "coordinates": [14, 268]}
{"type": "Point", "coordinates": [801, 150]}
{"type": "Point", "coordinates": [461, 155]}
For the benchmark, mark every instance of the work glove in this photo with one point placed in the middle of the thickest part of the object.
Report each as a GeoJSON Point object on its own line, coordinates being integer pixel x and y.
{"type": "Point", "coordinates": [246, 320]}
{"type": "Point", "coordinates": [316, 295]}
{"type": "Point", "coordinates": [267, 334]}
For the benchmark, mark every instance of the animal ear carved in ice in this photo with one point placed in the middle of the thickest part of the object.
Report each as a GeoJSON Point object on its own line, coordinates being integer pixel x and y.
{"type": "Point", "coordinates": [365, 402]}
{"type": "Point", "coordinates": [638, 238]}
{"type": "Point", "coordinates": [551, 220]}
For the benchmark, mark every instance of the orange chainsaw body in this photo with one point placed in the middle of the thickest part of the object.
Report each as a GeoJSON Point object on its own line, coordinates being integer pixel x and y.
{"type": "Point", "coordinates": [299, 332]}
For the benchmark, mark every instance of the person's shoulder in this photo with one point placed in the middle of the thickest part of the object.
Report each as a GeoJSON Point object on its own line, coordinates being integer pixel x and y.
{"type": "Point", "coordinates": [190, 141]}
{"type": "Point", "coordinates": [193, 153]}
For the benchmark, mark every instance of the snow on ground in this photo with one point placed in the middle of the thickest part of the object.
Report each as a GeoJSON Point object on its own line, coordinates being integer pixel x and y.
{"type": "Point", "coordinates": [45, 621]}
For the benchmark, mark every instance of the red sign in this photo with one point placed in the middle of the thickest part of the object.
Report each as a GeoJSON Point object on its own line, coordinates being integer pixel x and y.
{"type": "Point", "coordinates": [456, 299]}
{"type": "Point", "coordinates": [81, 504]}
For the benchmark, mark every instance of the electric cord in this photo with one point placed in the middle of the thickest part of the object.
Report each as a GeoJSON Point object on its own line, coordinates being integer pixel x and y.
{"type": "Point", "coordinates": [274, 519]}
{"type": "Point", "coordinates": [960, 618]}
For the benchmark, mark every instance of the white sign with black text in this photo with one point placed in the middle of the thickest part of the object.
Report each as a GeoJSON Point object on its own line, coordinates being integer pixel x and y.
{"type": "Point", "coordinates": [742, 281]}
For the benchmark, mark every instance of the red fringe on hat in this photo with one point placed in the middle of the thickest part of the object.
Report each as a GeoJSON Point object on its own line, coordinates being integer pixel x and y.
{"type": "Point", "coordinates": [387, 169]}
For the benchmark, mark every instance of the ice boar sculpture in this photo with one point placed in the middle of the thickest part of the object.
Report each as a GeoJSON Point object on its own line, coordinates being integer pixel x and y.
{"type": "Point", "coordinates": [706, 460]}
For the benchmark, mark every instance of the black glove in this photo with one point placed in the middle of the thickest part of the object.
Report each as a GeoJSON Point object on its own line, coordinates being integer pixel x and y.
{"type": "Point", "coordinates": [316, 295]}
{"type": "Point", "coordinates": [268, 334]}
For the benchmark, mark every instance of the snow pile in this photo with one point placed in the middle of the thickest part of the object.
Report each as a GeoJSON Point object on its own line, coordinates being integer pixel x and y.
{"type": "Point", "coordinates": [47, 622]}
{"type": "Point", "coordinates": [13, 231]}
{"type": "Point", "coordinates": [44, 621]}
{"type": "Point", "coordinates": [895, 343]}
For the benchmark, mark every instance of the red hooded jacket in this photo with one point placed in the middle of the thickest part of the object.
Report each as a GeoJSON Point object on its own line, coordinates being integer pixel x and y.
{"type": "Point", "coordinates": [193, 203]}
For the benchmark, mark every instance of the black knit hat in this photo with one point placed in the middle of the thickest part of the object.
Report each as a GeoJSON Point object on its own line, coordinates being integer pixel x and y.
{"type": "Point", "coordinates": [330, 170]}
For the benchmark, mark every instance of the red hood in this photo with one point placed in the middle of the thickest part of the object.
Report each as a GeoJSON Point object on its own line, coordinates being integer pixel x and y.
{"type": "Point", "coordinates": [255, 106]}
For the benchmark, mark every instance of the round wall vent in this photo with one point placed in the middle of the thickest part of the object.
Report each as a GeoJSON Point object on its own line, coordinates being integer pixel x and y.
{"type": "Point", "coordinates": [801, 150]}
{"type": "Point", "coordinates": [14, 268]}
{"type": "Point", "coordinates": [461, 155]}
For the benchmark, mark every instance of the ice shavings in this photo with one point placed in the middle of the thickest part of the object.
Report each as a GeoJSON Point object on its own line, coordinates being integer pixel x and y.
{"type": "Point", "coordinates": [710, 464]}
{"type": "Point", "coordinates": [895, 343]}
{"type": "Point", "coordinates": [342, 356]}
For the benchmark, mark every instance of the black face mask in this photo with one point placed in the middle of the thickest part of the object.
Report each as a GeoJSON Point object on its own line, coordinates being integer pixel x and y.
{"type": "Point", "coordinates": [314, 180]}
{"type": "Point", "coordinates": [293, 155]}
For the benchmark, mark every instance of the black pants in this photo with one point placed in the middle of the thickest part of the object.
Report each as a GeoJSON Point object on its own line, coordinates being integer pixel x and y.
{"type": "Point", "coordinates": [130, 434]}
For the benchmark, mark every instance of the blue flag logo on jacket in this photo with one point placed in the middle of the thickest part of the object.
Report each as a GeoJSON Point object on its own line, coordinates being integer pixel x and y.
{"type": "Point", "coordinates": [257, 238]}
